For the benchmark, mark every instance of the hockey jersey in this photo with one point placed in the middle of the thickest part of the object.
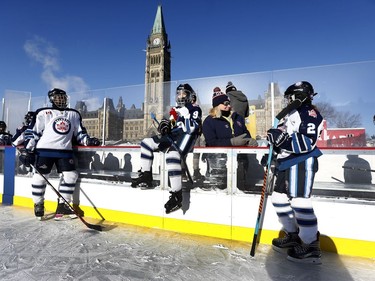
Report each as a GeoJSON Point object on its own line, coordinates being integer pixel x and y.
{"type": "Point", "coordinates": [55, 129]}
{"type": "Point", "coordinates": [304, 126]}
{"type": "Point", "coordinates": [191, 123]}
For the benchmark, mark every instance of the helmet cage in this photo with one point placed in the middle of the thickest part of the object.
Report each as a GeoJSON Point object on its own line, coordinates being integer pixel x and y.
{"type": "Point", "coordinates": [28, 117]}
{"type": "Point", "coordinates": [58, 98]}
{"type": "Point", "coordinates": [183, 97]}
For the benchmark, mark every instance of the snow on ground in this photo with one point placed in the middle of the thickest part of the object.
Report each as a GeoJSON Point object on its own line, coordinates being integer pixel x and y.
{"type": "Point", "coordinates": [51, 250]}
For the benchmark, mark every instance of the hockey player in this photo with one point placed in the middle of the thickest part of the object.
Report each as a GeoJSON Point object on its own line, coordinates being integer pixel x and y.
{"type": "Point", "coordinates": [197, 176]}
{"type": "Point", "coordinates": [5, 137]}
{"type": "Point", "coordinates": [48, 139]}
{"type": "Point", "coordinates": [19, 136]}
{"type": "Point", "coordinates": [294, 141]}
{"type": "Point", "coordinates": [177, 138]}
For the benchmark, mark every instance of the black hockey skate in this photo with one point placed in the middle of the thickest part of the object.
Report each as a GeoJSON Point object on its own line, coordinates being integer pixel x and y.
{"type": "Point", "coordinates": [63, 212]}
{"type": "Point", "coordinates": [306, 253]}
{"type": "Point", "coordinates": [174, 203]}
{"type": "Point", "coordinates": [198, 177]}
{"type": "Point", "coordinates": [144, 180]}
{"type": "Point", "coordinates": [283, 244]}
{"type": "Point", "coordinates": [39, 210]}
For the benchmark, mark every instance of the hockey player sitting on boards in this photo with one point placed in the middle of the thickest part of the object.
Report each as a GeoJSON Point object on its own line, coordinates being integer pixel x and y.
{"type": "Point", "coordinates": [177, 137]}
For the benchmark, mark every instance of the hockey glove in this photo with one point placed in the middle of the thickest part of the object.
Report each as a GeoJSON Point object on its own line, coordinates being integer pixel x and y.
{"type": "Point", "coordinates": [276, 137]}
{"type": "Point", "coordinates": [240, 140]}
{"type": "Point", "coordinates": [252, 142]}
{"type": "Point", "coordinates": [93, 142]}
{"type": "Point", "coordinates": [27, 158]}
{"type": "Point", "coordinates": [164, 127]}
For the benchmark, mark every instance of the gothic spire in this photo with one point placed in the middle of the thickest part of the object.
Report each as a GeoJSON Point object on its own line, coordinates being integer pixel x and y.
{"type": "Point", "coordinates": [159, 27]}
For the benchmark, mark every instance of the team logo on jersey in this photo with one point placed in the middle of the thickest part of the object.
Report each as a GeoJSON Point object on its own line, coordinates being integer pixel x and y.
{"type": "Point", "coordinates": [61, 126]}
{"type": "Point", "coordinates": [312, 113]}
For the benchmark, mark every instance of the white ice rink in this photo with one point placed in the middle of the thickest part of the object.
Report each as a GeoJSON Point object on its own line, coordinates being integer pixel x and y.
{"type": "Point", "coordinates": [50, 250]}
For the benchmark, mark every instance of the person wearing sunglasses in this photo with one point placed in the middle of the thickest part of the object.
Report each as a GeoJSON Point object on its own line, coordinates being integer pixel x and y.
{"type": "Point", "coordinates": [223, 127]}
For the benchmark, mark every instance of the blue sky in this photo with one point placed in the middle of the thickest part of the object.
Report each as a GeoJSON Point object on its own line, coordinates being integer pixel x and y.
{"type": "Point", "coordinates": [98, 44]}
{"type": "Point", "coordinates": [92, 44]}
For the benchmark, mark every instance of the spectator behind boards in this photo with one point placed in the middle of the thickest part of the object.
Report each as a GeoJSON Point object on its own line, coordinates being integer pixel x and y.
{"type": "Point", "coordinates": [222, 127]}
{"type": "Point", "coordinates": [238, 100]}
{"type": "Point", "coordinates": [48, 142]}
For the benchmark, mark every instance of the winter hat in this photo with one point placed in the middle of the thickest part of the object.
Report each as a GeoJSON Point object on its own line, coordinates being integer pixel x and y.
{"type": "Point", "coordinates": [230, 87]}
{"type": "Point", "coordinates": [218, 97]}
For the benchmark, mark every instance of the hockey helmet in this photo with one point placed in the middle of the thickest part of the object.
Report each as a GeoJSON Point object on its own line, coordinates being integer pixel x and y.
{"type": "Point", "coordinates": [58, 98]}
{"type": "Point", "coordinates": [3, 127]}
{"type": "Point", "coordinates": [184, 94]}
{"type": "Point", "coordinates": [302, 91]}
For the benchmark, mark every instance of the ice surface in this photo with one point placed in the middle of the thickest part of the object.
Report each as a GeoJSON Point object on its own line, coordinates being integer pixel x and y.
{"type": "Point", "coordinates": [68, 250]}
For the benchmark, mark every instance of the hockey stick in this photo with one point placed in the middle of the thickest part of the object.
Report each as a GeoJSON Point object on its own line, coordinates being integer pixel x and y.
{"type": "Point", "coordinates": [153, 117]}
{"type": "Point", "coordinates": [263, 196]}
{"type": "Point", "coordinates": [359, 169]}
{"type": "Point", "coordinates": [89, 225]}
{"type": "Point", "coordinates": [336, 179]}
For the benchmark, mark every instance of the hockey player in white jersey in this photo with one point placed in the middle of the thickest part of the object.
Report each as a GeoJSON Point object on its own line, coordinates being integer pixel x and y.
{"type": "Point", "coordinates": [48, 142]}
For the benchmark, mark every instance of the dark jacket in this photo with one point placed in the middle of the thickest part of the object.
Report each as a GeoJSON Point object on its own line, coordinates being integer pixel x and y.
{"type": "Point", "coordinates": [217, 131]}
{"type": "Point", "coordinates": [239, 103]}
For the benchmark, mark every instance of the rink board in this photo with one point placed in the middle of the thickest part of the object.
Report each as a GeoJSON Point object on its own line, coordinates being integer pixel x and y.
{"type": "Point", "coordinates": [343, 223]}
{"type": "Point", "coordinates": [346, 224]}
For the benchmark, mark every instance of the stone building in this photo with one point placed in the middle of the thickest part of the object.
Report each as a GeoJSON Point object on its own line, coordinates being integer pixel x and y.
{"type": "Point", "coordinates": [131, 125]}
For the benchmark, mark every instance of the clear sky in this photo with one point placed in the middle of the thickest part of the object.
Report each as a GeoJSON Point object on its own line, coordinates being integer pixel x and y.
{"type": "Point", "coordinates": [92, 44]}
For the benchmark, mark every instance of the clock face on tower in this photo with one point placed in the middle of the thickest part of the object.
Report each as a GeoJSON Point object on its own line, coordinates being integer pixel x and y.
{"type": "Point", "coordinates": [156, 41]}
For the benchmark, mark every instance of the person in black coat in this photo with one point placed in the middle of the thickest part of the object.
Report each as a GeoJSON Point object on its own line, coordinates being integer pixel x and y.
{"type": "Point", "coordinates": [222, 127]}
{"type": "Point", "coordinates": [238, 99]}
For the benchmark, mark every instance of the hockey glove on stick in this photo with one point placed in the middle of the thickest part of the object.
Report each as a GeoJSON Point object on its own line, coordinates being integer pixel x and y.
{"type": "Point", "coordinates": [276, 137]}
{"type": "Point", "coordinates": [164, 127]}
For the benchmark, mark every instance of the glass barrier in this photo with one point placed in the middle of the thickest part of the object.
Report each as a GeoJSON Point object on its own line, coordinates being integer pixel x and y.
{"type": "Point", "coordinates": [121, 115]}
{"type": "Point", "coordinates": [225, 170]}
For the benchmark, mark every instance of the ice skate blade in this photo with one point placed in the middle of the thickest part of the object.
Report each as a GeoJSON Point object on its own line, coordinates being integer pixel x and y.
{"type": "Point", "coordinates": [65, 217]}
{"type": "Point", "coordinates": [309, 260]}
{"type": "Point", "coordinates": [46, 217]}
{"type": "Point", "coordinates": [281, 250]}
{"type": "Point", "coordinates": [173, 209]}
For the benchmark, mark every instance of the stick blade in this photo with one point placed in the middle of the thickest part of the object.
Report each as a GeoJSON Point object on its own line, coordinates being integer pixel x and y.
{"type": "Point", "coordinates": [96, 227]}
